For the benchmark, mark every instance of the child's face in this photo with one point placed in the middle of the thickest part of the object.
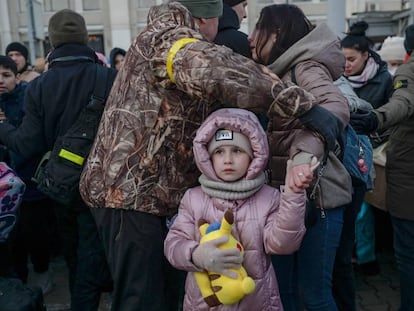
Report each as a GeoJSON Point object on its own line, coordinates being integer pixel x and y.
{"type": "Point", "coordinates": [230, 162]}
{"type": "Point", "coordinates": [8, 80]}
{"type": "Point", "coordinates": [119, 61]}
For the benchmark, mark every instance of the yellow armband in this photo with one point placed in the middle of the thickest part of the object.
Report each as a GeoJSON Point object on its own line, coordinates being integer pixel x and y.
{"type": "Point", "coordinates": [171, 54]}
{"type": "Point", "coordinates": [72, 157]}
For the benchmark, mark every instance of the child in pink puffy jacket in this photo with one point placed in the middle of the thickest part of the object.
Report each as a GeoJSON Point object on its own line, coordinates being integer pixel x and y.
{"type": "Point", "coordinates": [231, 151]}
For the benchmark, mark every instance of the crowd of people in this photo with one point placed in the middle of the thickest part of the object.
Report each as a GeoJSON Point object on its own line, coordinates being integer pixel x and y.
{"type": "Point", "coordinates": [202, 121]}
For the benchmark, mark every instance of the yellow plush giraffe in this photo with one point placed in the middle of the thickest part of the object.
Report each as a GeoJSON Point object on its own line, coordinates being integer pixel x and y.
{"type": "Point", "coordinates": [215, 288]}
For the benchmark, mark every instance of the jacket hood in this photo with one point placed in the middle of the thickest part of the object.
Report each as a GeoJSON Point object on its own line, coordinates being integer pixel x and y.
{"type": "Point", "coordinates": [169, 16]}
{"type": "Point", "coordinates": [114, 53]}
{"type": "Point", "coordinates": [229, 19]}
{"type": "Point", "coordinates": [320, 45]}
{"type": "Point", "coordinates": [235, 119]}
{"type": "Point", "coordinates": [75, 50]}
{"type": "Point", "coordinates": [166, 24]}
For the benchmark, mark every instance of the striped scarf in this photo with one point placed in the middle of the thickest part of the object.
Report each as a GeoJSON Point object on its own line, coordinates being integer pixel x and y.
{"type": "Point", "coordinates": [370, 70]}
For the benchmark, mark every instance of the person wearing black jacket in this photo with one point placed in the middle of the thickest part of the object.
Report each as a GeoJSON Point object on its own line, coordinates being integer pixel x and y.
{"type": "Point", "coordinates": [32, 234]}
{"type": "Point", "coordinates": [53, 103]}
{"type": "Point", "coordinates": [234, 11]}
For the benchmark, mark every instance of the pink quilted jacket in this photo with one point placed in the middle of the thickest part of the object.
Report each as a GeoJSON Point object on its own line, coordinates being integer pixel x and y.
{"type": "Point", "coordinates": [269, 222]}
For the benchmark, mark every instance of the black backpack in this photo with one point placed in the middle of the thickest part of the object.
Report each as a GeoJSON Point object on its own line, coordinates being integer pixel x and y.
{"type": "Point", "coordinates": [59, 171]}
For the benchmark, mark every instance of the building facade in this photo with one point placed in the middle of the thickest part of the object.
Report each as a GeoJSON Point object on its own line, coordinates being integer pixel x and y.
{"type": "Point", "coordinates": [115, 23]}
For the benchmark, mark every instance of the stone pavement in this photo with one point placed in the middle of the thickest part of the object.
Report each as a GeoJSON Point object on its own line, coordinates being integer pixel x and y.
{"type": "Point", "coordinates": [380, 292]}
{"type": "Point", "coordinates": [374, 293]}
{"type": "Point", "coordinates": [58, 299]}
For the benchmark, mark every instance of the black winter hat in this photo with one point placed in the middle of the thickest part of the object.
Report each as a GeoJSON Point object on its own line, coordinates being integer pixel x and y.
{"type": "Point", "coordinates": [233, 2]}
{"type": "Point", "coordinates": [409, 39]}
{"type": "Point", "coordinates": [17, 46]}
{"type": "Point", "coordinates": [67, 26]}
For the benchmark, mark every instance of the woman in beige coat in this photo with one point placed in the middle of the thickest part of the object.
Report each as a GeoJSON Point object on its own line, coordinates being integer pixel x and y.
{"type": "Point", "coordinates": [287, 43]}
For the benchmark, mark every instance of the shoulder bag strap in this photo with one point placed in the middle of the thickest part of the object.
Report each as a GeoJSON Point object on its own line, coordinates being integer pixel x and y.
{"type": "Point", "coordinates": [97, 100]}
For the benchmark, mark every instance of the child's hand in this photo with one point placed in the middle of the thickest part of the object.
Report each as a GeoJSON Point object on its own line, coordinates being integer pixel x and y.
{"type": "Point", "coordinates": [299, 177]}
{"type": "Point", "coordinates": [211, 258]}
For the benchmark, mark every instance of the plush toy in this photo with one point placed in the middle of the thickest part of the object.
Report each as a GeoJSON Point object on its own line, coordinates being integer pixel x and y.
{"type": "Point", "coordinates": [215, 288]}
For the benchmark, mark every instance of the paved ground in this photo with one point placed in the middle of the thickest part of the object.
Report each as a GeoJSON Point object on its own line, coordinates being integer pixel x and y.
{"type": "Point", "coordinates": [58, 299]}
{"type": "Point", "coordinates": [374, 293]}
{"type": "Point", "coordinates": [380, 292]}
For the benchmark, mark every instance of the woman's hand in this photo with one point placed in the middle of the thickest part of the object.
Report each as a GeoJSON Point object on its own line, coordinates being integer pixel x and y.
{"type": "Point", "coordinates": [299, 177]}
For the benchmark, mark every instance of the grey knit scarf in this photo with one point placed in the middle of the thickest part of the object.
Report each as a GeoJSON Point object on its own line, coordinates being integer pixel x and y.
{"type": "Point", "coordinates": [237, 190]}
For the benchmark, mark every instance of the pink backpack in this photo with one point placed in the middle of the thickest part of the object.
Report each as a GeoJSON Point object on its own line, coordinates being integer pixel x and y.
{"type": "Point", "coordinates": [11, 194]}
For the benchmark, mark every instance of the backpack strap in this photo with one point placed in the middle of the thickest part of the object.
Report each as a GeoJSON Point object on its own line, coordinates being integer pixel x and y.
{"type": "Point", "coordinates": [90, 114]}
{"type": "Point", "coordinates": [97, 100]}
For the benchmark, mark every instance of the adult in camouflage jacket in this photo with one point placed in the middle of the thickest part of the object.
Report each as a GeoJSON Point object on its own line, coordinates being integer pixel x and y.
{"type": "Point", "coordinates": [142, 162]}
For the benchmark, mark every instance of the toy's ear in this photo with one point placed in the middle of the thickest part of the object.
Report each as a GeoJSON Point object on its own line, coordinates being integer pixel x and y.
{"type": "Point", "coordinates": [203, 225]}
{"type": "Point", "coordinates": [229, 217]}
{"type": "Point", "coordinates": [227, 222]}
{"type": "Point", "coordinates": [201, 222]}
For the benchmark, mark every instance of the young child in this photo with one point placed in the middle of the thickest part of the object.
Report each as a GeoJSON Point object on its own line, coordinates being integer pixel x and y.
{"type": "Point", "coordinates": [8, 83]}
{"type": "Point", "coordinates": [11, 95]}
{"type": "Point", "coordinates": [231, 150]}
{"type": "Point", "coordinates": [32, 236]}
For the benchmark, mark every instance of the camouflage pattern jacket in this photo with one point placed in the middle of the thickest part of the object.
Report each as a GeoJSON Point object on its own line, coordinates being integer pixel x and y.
{"type": "Point", "coordinates": [142, 156]}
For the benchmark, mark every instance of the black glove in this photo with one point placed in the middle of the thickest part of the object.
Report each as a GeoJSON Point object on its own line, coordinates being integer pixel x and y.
{"type": "Point", "coordinates": [325, 122]}
{"type": "Point", "coordinates": [364, 122]}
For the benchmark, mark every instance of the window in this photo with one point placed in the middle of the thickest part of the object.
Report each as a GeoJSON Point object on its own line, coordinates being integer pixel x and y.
{"type": "Point", "coordinates": [91, 5]}
{"type": "Point", "coordinates": [55, 5]}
